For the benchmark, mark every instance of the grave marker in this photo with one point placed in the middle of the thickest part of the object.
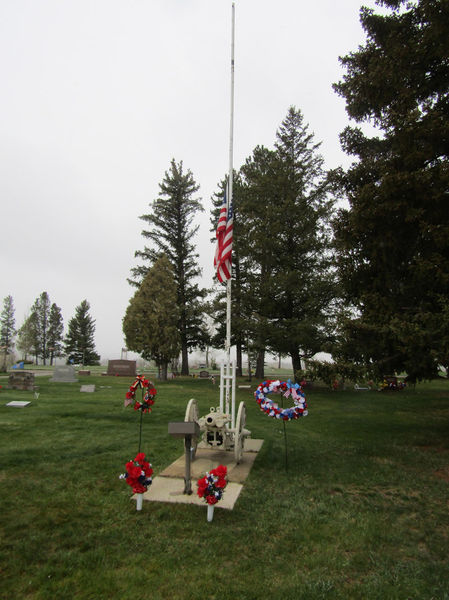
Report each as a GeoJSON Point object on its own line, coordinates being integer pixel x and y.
{"type": "Point", "coordinates": [64, 374]}
{"type": "Point", "coordinates": [22, 380]}
{"type": "Point", "coordinates": [122, 368]}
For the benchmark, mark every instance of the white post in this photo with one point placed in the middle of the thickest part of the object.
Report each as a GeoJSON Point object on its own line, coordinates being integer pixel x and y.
{"type": "Point", "coordinates": [139, 502]}
{"type": "Point", "coordinates": [210, 512]}
{"type": "Point", "coordinates": [222, 388]}
{"type": "Point", "coordinates": [228, 203]}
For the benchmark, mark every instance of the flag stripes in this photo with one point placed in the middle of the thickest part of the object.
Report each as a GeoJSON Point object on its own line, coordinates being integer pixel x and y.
{"type": "Point", "coordinates": [224, 235]}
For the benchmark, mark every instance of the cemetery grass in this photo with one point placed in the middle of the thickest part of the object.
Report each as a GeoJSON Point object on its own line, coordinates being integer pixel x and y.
{"type": "Point", "coordinates": [361, 512]}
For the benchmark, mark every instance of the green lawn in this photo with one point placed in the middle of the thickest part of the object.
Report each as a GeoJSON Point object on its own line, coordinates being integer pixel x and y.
{"type": "Point", "coordinates": [362, 511]}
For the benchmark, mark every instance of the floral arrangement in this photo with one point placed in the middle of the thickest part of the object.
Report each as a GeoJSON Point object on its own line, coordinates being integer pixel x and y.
{"type": "Point", "coordinates": [287, 389]}
{"type": "Point", "coordinates": [391, 384]}
{"type": "Point", "coordinates": [138, 474]}
{"type": "Point", "coordinates": [148, 399]}
{"type": "Point", "coordinates": [212, 485]}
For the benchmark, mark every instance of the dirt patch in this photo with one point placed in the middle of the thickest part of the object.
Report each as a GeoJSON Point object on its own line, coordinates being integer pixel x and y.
{"type": "Point", "coordinates": [442, 474]}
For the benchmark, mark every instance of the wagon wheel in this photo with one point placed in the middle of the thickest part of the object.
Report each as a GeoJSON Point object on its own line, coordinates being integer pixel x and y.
{"type": "Point", "coordinates": [239, 439]}
{"type": "Point", "coordinates": [192, 415]}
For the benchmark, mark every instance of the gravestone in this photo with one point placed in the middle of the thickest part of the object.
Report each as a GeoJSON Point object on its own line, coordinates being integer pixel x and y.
{"type": "Point", "coordinates": [18, 403]}
{"type": "Point", "coordinates": [64, 374]}
{"type": "Point", "coordinates": [122, 368]}
{"type": "Point", "coordinates": [22, 380]}
{"type": "Point", "coordinates": [83, 373]}
{"type": "Point", "coordinates": [87, 388]}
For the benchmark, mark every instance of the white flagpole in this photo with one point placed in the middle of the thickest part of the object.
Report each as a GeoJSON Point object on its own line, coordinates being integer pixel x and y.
{"type": "Point", "coordinates": [228, 203]}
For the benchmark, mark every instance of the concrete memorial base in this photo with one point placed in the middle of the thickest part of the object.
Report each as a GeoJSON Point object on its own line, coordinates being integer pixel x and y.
{"type": "Point", "coordinates": [168, 486]}
{"type": "Point", "coordinates": [18, 403]}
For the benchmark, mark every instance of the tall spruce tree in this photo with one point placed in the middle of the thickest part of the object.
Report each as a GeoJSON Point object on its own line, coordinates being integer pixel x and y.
{"type": "Point", "coordinates": [7, 331]}
{"type": "Point", "coordinates": [285, 258]}
{"type": "Point", "coordinates": [39, 323]}
{"type": "Point", "coordinates": [150, 324]}
{"type": "Point", "coordinates": [26, 337]}
{"type": "Point", "coordinates": [79, 342]}
{"type": "Point", "coordinates": [55, 332]}
{"type": "Point", "coordinates": [171, 232]}
{"type": "Point", "coordinates": [393, 241]}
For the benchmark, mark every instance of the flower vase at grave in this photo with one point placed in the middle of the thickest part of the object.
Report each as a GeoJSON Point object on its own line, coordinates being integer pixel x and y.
{"type": "Point", "coordinates": [210, 512]}
{"type": "Point", "coordinates": [139, 502]}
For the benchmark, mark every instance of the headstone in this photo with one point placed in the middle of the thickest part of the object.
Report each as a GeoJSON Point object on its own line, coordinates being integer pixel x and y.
{"type": "Point", "coordinates": [85, 372]}
{"type": "Point", "coordinates": [87, 388]}
{"type": "Point", "coordinates": [18, 403]}
{"type": "Point", "coordinates": [64, 374]}
{"type": "Point", "coordinates": [204, 374]}
{"type": "Point", "coordinates": [122, 368]}
{"type": "Point", "coordinates": [21, 380]}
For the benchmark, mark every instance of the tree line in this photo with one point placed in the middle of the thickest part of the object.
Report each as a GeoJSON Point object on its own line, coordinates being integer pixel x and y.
{"type": "Point", "coordinates": [368, 283]}
{"type": "Point", "coordinates": [42, 333]}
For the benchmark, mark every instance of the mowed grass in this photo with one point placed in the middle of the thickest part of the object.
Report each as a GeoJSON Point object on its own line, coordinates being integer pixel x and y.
{"type": "Point", "coordinates": [361, 512]}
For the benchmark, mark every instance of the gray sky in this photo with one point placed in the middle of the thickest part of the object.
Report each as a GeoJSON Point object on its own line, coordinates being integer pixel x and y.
{"type": "Point", "coordinates": [97, 96]}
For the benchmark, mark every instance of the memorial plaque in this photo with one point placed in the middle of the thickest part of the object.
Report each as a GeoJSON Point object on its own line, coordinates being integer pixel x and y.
{"type": "Point", "coordinates": [87, 388]}
{"type": "Point", "coordinates": [64, 374]}
{"type": "Point", "coordinates": [122, 368]}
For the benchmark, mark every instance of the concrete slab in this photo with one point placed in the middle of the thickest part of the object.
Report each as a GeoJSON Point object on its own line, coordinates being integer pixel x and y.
{"type": "Point", "coordinates": [170, 489]}
{"type": "Point", "coordinates": [208, 458]}
{"type": "Point", "coordinates": [18, 403]}
{"type": "Point", "coordinates": [168, 486]}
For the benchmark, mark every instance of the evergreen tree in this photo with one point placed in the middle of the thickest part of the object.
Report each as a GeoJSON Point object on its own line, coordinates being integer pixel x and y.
{"type": "Point", "coordinates": [393, 242]}
{"type": "Point", "coordinates": [171, 232]}
{"type": "Point", "coordinates": [150, 324]}
{"type": "Point", "coordinates": [79, 342]}
{"type": "Point", "coordinates": [55, 332]}
{"type": "Point", "coordinates": [284, 252]}
{"type": "Point", "coordinates": [7, 331]}
{"type": "Point", "coordinates": [39, 323]}
{"type": "Point", "coordinates": [26, 337]}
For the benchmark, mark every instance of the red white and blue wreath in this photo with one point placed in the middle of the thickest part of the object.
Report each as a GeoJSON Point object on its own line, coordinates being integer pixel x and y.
{"type": "Point", "coordinates": [287, 389]}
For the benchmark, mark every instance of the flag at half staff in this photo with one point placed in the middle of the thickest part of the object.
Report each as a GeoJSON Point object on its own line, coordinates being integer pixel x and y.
{"type": "Point", "coordinates": [223, 251]}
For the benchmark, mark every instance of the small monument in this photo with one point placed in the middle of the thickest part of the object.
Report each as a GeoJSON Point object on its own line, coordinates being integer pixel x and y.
{"type": "Point", "coordinates": [21, 380]}
{"type": "Point", "coordinates": [64, 374]}
{"type": "Point", "coordinates": [88, 388]}
{"type": "Point", "coordinates": [122, 368]}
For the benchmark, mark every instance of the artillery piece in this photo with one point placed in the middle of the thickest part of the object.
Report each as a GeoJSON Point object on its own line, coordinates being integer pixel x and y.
{"type": "Point", "coordinates": [220, 429]}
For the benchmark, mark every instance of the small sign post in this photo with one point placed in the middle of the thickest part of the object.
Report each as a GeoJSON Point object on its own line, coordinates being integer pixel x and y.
{"type": "Point", "coordinates": [187, 430]}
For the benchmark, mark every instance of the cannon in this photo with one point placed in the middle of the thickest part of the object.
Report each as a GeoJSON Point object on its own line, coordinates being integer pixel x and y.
{"type": "Point", "coordinates": [217, 431]}
{"type": "Point", "coordinates": [219, 428]}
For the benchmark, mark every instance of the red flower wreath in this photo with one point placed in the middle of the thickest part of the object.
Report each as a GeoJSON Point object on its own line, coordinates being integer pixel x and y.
{"type": "Point", "coordinates": [147, 401]}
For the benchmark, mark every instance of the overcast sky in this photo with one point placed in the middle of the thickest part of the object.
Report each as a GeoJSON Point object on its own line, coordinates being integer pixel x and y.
{"type": "Point", "coordinates": [97, 97]}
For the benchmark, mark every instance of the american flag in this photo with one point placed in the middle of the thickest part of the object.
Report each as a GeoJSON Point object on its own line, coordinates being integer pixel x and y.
{"type": "Point", "coordinates": [223, 251]}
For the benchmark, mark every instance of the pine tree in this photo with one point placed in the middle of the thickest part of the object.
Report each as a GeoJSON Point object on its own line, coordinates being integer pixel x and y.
{"type": "Point", "coordinates": [26, 337]}
{"type": "Point", "coordinates": [55, 332]}
{"type": "Point", "coordinates": [171, 232]}
{"type": "Point", "coordinates": [393, 242]}
{"type": "Point", "coordinates": [79, 342]}
{"type": "Point", "coordinates": [39, 323]}
{"type": "Point", "coordinates": [7, 331]}
{"type": "Point", "coordinates": [150, 324]}
{"type": "Point", "coordinates": [284, 254]}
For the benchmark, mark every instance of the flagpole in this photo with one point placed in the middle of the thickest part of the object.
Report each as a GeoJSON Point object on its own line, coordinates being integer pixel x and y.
{"type": "Point", "coordinates": [229, 203]}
